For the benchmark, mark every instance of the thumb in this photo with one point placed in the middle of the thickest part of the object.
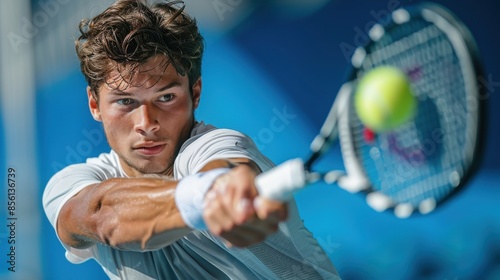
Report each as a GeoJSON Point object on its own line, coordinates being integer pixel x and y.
{"type": "Point", "coordinates": [244, 210]}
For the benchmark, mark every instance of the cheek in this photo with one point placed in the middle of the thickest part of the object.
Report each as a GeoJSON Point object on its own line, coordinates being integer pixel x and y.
{"type": "Point", "coordinates": [177, 123]}
{"type": "Point", "coordinates": [116, 125]}
{"type": "Point", "coordinates": [178, 115]}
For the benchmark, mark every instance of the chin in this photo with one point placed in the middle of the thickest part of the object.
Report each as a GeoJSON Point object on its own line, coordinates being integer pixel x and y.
{"type": "Point", "coordinates": [154, 165]}
{"type": "Point", "coordinates": [153, 168]}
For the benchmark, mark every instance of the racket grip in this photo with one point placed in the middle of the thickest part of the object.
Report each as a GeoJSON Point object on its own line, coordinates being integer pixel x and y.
{"type": "Point", "coordinates": [283, 181]}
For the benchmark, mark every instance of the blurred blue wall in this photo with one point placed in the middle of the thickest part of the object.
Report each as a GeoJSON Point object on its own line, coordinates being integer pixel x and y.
{"type": "Point", "coordinates": [289, 65]}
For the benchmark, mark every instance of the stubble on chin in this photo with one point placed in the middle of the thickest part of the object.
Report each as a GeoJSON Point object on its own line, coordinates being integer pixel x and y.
{"type": "Point", "coordinates": [150, 168]}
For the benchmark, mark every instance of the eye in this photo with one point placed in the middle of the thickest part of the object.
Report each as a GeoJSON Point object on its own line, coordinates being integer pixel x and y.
{"type": "Point", "coordinates": [166, 97]}
{"type": "Point", "coordinates": [125, 101]}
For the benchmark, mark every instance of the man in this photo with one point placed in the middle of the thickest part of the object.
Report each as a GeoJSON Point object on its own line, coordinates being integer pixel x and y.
{"type": "Point", "coordinates": [175, 198]}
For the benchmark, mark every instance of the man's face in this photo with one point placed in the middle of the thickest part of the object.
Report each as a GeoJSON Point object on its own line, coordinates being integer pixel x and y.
{"type": "Point", "coordinates": [147, 121]}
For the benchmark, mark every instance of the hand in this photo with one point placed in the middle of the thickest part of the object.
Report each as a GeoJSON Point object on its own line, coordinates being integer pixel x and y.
{"type": "Point", "coordinates": [234, 211]}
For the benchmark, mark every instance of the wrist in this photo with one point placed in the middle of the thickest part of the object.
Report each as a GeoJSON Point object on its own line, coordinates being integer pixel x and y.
{"type": "Point", "coordinates": [190, 193]}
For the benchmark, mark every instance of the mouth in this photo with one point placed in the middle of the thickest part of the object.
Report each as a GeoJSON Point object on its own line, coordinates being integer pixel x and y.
{"type": "Point", "coordinates": [150, 149]}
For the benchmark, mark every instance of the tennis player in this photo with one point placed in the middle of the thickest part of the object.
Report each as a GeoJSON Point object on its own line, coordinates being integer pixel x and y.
{"type": "Point", "coordinates": [174, 198]}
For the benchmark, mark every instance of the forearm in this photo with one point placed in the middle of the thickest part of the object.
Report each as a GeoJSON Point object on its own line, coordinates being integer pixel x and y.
{"type": "Point", "coordinates": [130, 214]}
{"type": "Point", "coordinates": [136, 214]}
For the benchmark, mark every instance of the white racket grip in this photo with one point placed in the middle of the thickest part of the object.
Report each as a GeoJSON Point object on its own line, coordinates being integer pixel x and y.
{"type": "Point", "coordinates": [281, 182]}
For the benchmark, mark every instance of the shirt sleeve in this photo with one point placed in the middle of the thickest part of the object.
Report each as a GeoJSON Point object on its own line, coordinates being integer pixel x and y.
{"type": "Point", "coordinates": [217, 144]}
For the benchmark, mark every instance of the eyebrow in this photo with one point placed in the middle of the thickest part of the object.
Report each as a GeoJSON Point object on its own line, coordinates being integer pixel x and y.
{"type": "Point", "coordinates": [168, 86]}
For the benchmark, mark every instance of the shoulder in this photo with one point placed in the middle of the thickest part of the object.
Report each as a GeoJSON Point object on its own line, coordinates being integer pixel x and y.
{"type": "Point", "coordinates": [108, 163]}
{"type": "Point", "coordinates": [208, 137]}
{"type": "Point", "coordinates": [73, 178]}
{"type": "Point", "coordinates": [204, 135]}
{"type": "Point", "coordinates": [217, 143]}
{"type": "Point", "coordinates": [102, 167]}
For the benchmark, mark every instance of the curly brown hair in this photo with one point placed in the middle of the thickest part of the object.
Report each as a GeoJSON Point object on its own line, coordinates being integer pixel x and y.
{"type": "Point", "coordinates": [130, 32]}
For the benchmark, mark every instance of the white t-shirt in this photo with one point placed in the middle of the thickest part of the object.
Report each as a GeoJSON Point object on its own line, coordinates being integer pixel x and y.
{"type": "Point", "coordinates": [291, 253]}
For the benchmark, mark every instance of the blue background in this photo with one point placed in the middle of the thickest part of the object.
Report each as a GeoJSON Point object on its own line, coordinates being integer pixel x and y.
{"type": "Point", "coordinates": [287, 61]}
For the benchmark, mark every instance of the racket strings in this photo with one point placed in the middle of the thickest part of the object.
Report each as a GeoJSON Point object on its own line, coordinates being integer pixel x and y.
{"type": "Point", "coordinates": [421, 162]}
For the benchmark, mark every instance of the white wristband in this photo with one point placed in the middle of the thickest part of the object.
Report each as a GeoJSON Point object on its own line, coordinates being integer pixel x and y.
{"type": "Point", "coordinates": [190, 193]}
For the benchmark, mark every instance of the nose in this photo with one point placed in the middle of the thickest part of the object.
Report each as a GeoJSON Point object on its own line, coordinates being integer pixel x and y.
{"type": "Point", "coordinates": [145, 119]}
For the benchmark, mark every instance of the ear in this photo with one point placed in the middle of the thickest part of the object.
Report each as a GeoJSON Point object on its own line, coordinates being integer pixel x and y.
{"type": "Point", "coordinates": [93, 105]}
{"type": "Point", "coordinates": [196, 93]}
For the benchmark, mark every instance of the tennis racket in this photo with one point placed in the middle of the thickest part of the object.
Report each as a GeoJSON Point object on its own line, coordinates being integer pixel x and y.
{"type": "Point", "coordinates": [417, 166]}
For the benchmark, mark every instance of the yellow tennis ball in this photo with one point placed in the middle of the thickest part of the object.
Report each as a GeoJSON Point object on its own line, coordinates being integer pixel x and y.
{"type": "Point", "coordinates": [384, 99]}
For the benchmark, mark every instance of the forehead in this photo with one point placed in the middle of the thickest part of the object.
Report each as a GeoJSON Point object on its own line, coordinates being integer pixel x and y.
{"type": "Point", "coordinates": [157, 70]}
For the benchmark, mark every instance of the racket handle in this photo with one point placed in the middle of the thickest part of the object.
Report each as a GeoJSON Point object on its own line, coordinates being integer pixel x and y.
{"type": "Point", "coordinates": [283, 181]}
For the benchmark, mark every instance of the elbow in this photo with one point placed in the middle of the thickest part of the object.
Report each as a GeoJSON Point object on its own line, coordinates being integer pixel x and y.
{"type": "Point", "coordinates": [70, 230]}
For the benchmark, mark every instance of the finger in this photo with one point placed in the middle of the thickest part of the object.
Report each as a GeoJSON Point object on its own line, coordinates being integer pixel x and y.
{"type": "Point", "coordinates": [243, 193]}
{"type": "Point", "coordinates": [216, 215]}
{"type": "Point", "coordinates": [221, 183]}
{"type": "Point", "coordinates": [243, 211]}
{"type": "Point", "coordinates": [235, 193]}
{"type": "Point", "coordinates": [240, 209]}
{"type": "Point", "coordinates": [270, 210]}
